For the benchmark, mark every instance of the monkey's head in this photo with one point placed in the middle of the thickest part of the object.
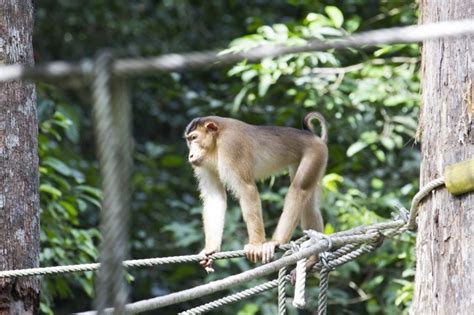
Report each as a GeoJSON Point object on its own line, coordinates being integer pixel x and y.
{"type": "Point", "coordinates": [201, 135]}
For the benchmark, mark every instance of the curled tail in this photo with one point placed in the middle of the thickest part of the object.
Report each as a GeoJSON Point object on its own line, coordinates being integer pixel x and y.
{"type": "Point", "coordinates": [308, 125]}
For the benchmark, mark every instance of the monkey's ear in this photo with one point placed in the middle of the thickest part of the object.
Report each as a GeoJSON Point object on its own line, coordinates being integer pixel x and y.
{"type": "Point", "coordinates": [211, 126]}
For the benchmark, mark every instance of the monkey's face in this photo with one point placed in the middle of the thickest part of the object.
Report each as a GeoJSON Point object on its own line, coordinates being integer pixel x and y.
{"type": "Point", "coordinates": [201, 145]}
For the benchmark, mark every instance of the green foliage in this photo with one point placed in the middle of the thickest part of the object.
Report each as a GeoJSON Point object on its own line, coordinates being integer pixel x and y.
{"type": "Point", "coordinates": [65, 199]}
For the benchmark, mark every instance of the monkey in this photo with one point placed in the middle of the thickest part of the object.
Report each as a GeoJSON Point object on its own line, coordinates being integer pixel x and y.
{"type": "Point", "coordinates": [230, 155]}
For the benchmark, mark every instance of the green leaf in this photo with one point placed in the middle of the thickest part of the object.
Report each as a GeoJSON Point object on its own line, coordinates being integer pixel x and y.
{"type": "Point", "coordinates": [329, 229]}
{"type": "Point", "coordinates": [355, 148]}
{"type": "Point", "coordinates": [48, 189]}
{"type": "Point", "coordinates": [58, 166]}
{"type": "Point", "coordinates": [238, 98]}
{"type": "Point", "coordinates": [406, 121]}
{"type": "Point", "coordinates": [69, 208]}
{"type": "Point", "coordinates": [380, 155]}
{"type": "Point", "coordinates": [395, 100]}
{"type": "Point", "coordinates": [265, 82]}
{"type": "Point", "coordinates": [249, 309]}
{"type": "Point", "coordinates": [81, 204]}
{"type": "Point", "coordinates": [335, 15]}
{"type": "Point", "coordinates": [376, 183]}
{"type": "Point", "coordinates": [92, 201]}
{"type": "Point", "coordinates": [249, 75]}
{"type": "Point", "coordinates": [387, 142]}
{"type": "Point", "coordinates": [95, 192]}
{"type": "Point", "coordinates": [330, 181]}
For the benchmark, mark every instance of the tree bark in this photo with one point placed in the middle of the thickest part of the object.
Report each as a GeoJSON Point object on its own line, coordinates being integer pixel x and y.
{"type": "Point", "coordinates": [444, 282]}
{"type": "Point", "coordinates": [19, 199]}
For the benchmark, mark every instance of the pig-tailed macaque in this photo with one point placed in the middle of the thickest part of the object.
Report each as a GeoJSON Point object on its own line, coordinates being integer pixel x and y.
{"type": "Point", "coordinates": [227, 154]}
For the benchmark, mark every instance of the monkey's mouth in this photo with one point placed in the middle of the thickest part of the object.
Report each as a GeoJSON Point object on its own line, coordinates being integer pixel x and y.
{"type": "Point", "coordinates": [195, 162]}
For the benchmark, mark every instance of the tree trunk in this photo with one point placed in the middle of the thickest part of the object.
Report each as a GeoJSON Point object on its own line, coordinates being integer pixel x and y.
{"type": "Point", "coordinates": [19, 199]}
{"type": "Point", "coordinates": [444, 282]}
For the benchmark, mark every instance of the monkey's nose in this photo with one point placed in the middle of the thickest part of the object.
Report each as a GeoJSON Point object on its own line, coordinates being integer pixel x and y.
{"type": "Point", "coordinates": [193, 159]}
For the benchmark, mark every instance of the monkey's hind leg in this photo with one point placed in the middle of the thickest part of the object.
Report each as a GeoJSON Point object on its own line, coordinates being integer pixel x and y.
{"type": "Point", "coordinates": [311, 219]}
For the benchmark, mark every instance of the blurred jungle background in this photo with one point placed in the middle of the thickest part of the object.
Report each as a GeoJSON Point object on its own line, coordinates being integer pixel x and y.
{"type": "Point", "coordinates": [369, 97]}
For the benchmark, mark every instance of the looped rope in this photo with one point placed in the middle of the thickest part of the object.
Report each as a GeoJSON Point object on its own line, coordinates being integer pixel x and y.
{"type": "Point", "coordinates": [424, 191]}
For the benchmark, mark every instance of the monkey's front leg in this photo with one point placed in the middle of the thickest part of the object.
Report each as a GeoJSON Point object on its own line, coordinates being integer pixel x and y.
{"type": "Point", "coordinates": [252, 212]}
{"type": "Point", "coordinates": [213, 214]}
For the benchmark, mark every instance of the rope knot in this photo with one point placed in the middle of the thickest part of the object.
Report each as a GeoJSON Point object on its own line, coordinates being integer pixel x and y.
{"type": "Point", "coordinates": [315, 237]}
{"type": "Point", "coordinates": [325, 261]}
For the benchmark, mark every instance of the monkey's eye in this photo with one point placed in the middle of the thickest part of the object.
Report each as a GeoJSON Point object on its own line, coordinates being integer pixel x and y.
{"type": "Point", "coordinates": [193, 137]}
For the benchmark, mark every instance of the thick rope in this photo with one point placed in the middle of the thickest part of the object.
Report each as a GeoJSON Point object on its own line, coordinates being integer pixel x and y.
{"type": "Point", "coordinates": [233, 298]}
{"type": "Point", "coordinates": [300, 283]}
{"type": "Point", "coordinates": [330, 261]}
{"type": "Point", "coordinates": [150, 262]}
{"type": "Point", "coordinates": [425, 191]}
{"type": "Point", "coordinates": [336, 256]}
{"type": "Point", "coordinates": [219, 285]}
{"type": "Point", "coordinates": [58, 71]}
{"type": "Point", "coordinates": [282, 280]}
{"type": "Point", "coordinates": [110, 124]}
{"type": "Point", "coordinates": [323, 289]}
{"type": "Point", "coordinates": [135, 263]}
{"type": "Point", "coordinates": [343, 254]}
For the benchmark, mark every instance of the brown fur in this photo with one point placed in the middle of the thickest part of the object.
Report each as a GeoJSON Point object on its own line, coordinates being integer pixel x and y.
{"type": "Point", "coordinates": [229, 154]}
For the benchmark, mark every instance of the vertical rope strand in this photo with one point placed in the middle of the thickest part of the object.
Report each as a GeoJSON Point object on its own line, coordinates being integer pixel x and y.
{"type": "Point", "coordinates": [323, 291]}
{"type": "Point", "coordinates": [282, 291]}
{"type": "Point", "coordinates": [299, 300]}
{"type": "Point", "coordinates": [111, 113]}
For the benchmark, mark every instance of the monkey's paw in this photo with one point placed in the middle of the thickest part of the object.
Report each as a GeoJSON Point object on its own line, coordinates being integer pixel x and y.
{"type": "Point", "coordinates": [206, 263]}
{"type": "Point", "coordinates": [268, 250]}
{"type": "Point", "coordinates": [253, 252]}
{"type": "Point", "coordinates": [261, 252]}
